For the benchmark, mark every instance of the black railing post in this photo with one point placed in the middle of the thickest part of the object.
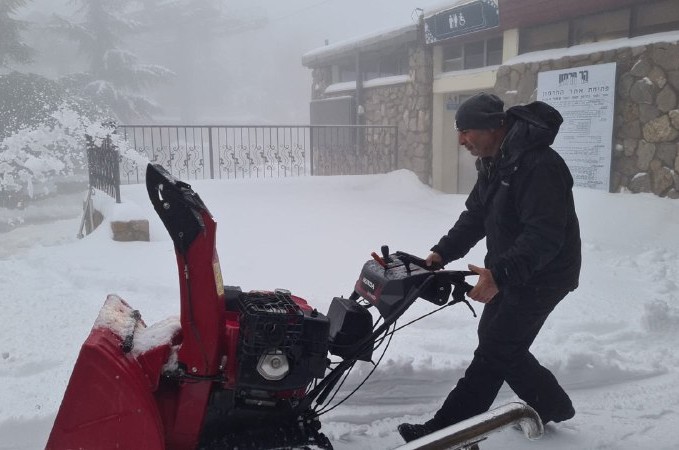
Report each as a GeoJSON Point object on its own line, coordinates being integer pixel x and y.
{"type": "Point", "coordinates": [311, 150]}
{"type": "Point", "coordinates": [212, 163]}
{"type": "Point", "coordinates": [395, 148]}
{"type": "Point", "coordinates": [116, 168]}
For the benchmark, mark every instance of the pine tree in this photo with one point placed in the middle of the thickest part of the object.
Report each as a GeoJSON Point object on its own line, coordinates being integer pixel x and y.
{"type": "Point", "coordinates": [12, 49]}
{"type": "Point", "coordinates": [115, 77]}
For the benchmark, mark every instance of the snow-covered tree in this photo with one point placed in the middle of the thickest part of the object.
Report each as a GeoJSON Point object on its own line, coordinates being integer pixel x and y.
{"type": "Point", "coordinates": [34, 157]}
{"type": "Point", "coordinates": [116, 77]}
{"type": "Point", "coordinates": [12, 48]}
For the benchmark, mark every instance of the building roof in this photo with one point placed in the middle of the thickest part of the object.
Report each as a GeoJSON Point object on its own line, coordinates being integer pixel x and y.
{"type": "Point", "coordinates": [366, 43]}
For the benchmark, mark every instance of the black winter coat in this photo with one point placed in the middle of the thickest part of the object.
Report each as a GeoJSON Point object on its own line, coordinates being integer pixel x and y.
{"type": "Point", "coordinates": [522, 203]}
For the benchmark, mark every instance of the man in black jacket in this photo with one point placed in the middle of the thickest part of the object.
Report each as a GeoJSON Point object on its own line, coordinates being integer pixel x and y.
{"type": "Point", "coordinates": [522, 203]}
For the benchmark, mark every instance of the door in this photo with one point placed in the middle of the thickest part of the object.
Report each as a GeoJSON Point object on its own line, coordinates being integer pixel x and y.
{"type": "Point", "coordinates": [466, 163]}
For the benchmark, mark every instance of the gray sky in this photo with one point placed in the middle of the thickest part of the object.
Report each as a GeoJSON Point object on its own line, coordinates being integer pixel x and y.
{"type": "Point", "coordinates": [256, 76]}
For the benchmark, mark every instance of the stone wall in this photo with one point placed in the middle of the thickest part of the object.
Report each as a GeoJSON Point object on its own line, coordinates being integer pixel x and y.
{"type": "Point", "coordinates": [646, 127]}
{"type": "Point", "coordinates": [407, 105]}
{"type": "Point", "coordinates": [321, 78]}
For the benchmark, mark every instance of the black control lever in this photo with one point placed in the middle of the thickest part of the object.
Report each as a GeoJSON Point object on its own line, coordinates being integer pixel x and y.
{"type": "Point", "coordinates": [408, 259]}
{"type": "Point", "coordinates": [460, 288]}
{"type": "Point", "coordinates": [385, 253]}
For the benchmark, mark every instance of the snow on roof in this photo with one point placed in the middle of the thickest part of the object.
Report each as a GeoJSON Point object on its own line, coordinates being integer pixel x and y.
{"type": "Point", "coordinates": [378, 39]}
{"type": "Point", "coordinates": [402, 34]}
{"type": "Point", "coordinates": [383, 81]}
{"type": "Point", "coordinates": [443, 6]}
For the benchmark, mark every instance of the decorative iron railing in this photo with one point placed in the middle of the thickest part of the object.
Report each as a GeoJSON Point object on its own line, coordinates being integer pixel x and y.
{"type": "Point", "coordinates": [353, 150]}
{"type": "Point", "coordinates": [255, 151]}
{"type": "Point", "coordinates": [103, 163]}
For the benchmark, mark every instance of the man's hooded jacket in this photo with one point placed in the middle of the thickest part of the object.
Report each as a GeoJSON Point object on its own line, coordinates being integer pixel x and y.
{"type": "Point", "coordinates": [522, 203]}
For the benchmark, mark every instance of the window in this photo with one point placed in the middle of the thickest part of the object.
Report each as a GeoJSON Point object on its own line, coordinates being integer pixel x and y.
{"type": "Point", "coordinates": [543, 37]}
{"type": "Point", "coordinates": [370, 69]}
{"type": "Point", "coordinates": [601, 27]}
{"type": "Point", "coordinates": [394, 64]}
{"type": "Point", "coordinates": [656, 17]}
{"type": "Point", "coordinates": [452, 58]}
{"type": "Point", "coordinates": [373, 65]}
{"type": "Point", "coordinates": [472, 55]}
{"type": "Point", "coordinates": [645, 18]}
{"type": "Point", "coordinates": [346, 72]}
{"type": "Point", "coordinates": [384, 64]}
{"type": "Point", "coordinates": [494, 51]}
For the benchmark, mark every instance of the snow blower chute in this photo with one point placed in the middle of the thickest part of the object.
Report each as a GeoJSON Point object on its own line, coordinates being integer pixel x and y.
{"type": "Point", "coordinates": [238, 369]}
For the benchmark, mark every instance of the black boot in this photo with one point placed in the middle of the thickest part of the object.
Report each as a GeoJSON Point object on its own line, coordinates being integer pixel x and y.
{"type": "Point", "coordinates": [563, 412]}
{"type": "Point", "coordinates": [411, 431]}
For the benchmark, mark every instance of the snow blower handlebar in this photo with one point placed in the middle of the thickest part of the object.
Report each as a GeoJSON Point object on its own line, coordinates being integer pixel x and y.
{"type": "Point", "coordinates": [391, 283]}
{"type": "Point", "coordinates": [385, 282]}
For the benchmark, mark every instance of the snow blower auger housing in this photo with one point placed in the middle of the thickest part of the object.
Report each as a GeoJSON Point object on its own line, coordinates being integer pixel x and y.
{"type": "Point", "coordinates": [237, 369]}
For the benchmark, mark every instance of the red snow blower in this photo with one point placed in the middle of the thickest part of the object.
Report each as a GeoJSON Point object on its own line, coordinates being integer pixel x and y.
{"type": "Point", "coordinates": [237, 369]}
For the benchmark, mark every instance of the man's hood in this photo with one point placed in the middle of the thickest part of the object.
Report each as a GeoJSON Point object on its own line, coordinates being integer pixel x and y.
{"type": "Point", "coordinates": [531, 126]}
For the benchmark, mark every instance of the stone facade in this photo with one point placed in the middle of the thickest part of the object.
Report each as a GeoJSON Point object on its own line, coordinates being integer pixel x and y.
{"type": "Point", "coordinates": [407, 105]}
{"type": "Point", "coordinates": [646, 127]}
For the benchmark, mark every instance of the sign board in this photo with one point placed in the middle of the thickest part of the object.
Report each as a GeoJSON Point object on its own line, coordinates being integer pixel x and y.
{"type": "Point", "coordinates": [452, 104]}
{"type": "Point", "coordinates": [585, 97]}
{"type": "Point", "coordinates": [468, 18]}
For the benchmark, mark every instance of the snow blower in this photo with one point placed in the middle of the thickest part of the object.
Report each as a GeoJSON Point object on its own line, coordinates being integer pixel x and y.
{"type": "Point", "coordinates": [237, 369]}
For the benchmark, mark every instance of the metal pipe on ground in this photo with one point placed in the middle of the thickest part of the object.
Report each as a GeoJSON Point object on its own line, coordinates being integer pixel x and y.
{"type": "Point", "coordinates": [468, 433]}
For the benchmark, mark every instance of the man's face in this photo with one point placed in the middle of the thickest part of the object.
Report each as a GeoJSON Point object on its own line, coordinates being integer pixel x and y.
{"type": "Point", "coordinates": [480, 143]}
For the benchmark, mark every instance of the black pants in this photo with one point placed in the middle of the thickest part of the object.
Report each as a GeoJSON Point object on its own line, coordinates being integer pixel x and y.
{"type": "Point", "coordinates": [507, 328]}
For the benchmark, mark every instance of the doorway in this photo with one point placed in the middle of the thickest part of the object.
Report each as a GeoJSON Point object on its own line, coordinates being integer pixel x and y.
{"type": "Point", "coordinates": [465, 163]}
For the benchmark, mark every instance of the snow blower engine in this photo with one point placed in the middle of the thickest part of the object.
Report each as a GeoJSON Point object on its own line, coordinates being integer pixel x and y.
{"type": "Point", "coordinates": [236, 369]}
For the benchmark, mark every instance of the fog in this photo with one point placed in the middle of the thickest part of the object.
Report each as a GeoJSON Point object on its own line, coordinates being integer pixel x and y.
{"type": "Point", "coordinates": [243, 67]}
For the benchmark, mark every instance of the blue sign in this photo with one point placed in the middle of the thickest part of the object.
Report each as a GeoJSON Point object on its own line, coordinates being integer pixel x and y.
{"type": "Point", "coordinates": [452, 105]}
{"type": "Point", "coordinates": [468, 18]}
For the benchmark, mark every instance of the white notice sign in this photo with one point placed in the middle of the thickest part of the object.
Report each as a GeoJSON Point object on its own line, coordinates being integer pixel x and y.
{"type": "Point", "coordinates": [585, 97]}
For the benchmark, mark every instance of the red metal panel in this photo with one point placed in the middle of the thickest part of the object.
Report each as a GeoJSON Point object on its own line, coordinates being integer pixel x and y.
{"type": "Point", "coordinates": [232, 331]}
{"type": "Point", "coordinates": [108, 403]}
{"type": "Point", "coordinates": [202, 320]}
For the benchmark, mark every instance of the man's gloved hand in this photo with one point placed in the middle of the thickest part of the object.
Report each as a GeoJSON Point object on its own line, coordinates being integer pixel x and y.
{"type": "Point", "coordinates": [485, 288]}
{"type": "Point", "coordinates": [434, 261]}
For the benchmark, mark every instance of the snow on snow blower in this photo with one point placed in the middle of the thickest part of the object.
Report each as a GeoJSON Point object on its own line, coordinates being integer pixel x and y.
{"type": "Point", "coordinates": [237, 369]}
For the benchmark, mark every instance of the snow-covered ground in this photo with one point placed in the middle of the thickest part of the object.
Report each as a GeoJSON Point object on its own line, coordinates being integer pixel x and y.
{"type": "Point", "coordinates": [612, 343]}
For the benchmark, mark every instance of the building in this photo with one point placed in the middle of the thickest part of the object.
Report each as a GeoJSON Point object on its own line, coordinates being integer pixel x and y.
{"type": "Point", "coordinates": [611, 66]}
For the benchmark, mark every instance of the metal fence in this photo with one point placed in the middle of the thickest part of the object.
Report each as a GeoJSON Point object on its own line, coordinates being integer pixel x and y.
{"type": "Point", "coordinates": [231, 152]}
{"type": "Point", "coordinates": [103, 166]}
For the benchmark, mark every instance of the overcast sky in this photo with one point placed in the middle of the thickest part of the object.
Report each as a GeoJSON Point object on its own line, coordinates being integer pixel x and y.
{"type": "Point", "coordinates": [256, 75]}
